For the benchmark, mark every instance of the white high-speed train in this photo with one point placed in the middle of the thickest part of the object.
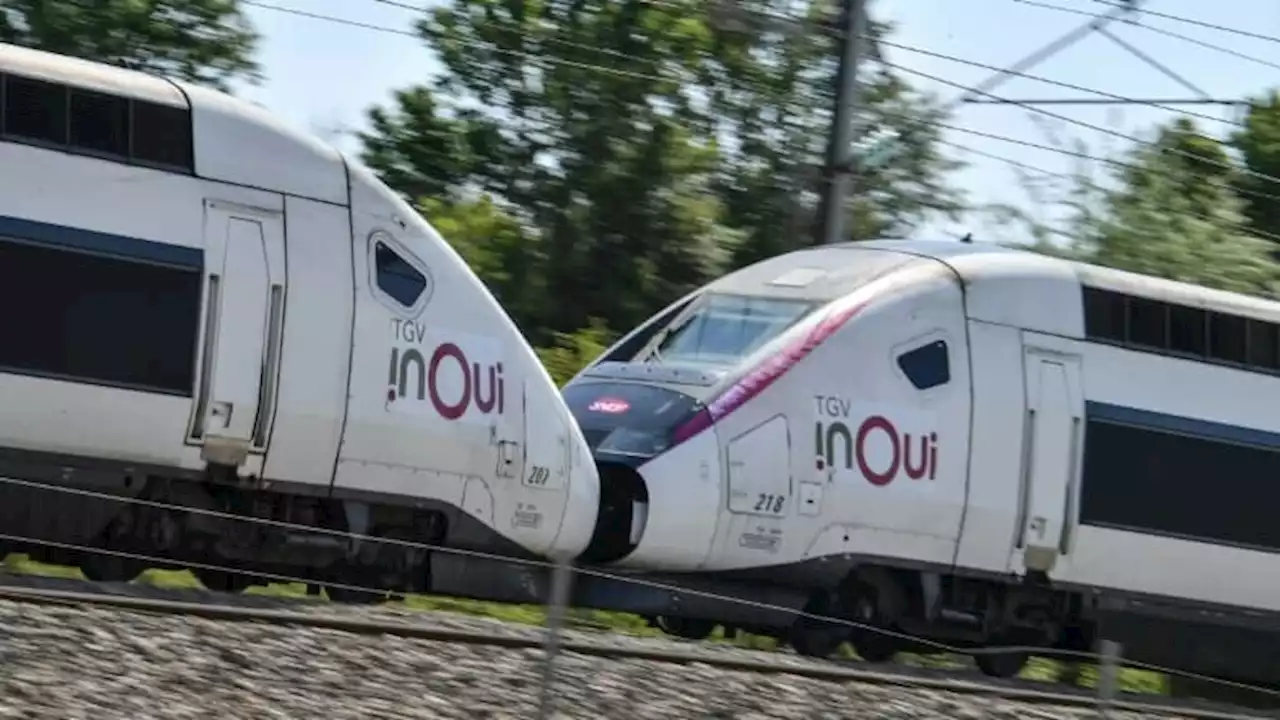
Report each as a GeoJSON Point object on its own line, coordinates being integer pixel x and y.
{"type": "Point", "coordinates": [204, 308]}
{"type": "Point", "coordinates": [967, 443]}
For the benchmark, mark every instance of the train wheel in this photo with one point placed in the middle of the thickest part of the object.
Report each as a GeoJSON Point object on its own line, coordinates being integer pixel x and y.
{"type": "Point", "coordinates": [687, 628]}
{"type": "Point", "coordinates": [874, 648]}
{"type": "Point", "coordinates": [100, 567]}
{"type": "Point", "coordinates": [356, 579]}
{"type": "Point", "coordinates": [1001, 665]}
{"type": "Point", "coordinates": [349, 596]}
{"type": "Point", "coordinates": [812, 637]}
{"type": "Point", "coordinates": [871, 646]}
{"type": "Point", "coordinates": [223, 580]}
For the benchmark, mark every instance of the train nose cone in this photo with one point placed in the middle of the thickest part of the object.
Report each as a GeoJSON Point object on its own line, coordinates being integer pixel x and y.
{"type": "Point", "coordinates": [582, 497]}
{"type": "Point", "coordinates": [661, 513]}
{"type": "Point", "coordinates": [679, 520]}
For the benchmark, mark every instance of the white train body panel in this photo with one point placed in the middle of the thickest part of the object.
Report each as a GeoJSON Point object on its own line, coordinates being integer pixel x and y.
{"type": "Point", "coordinates": [976, 466]}
{"type": "Point", "coordinates": [300, 285]}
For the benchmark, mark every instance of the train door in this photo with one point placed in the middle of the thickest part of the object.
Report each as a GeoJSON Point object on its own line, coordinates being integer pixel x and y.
{"type": "Point", "coordinates": [241, 333]}
{"type": "Point", "coordinates": [760, 492]}
{"type": "Point", "coordinates": [1053, 435]}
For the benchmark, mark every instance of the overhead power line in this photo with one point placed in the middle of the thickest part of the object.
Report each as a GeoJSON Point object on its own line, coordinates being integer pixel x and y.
{"type": "Point", "coordinates": [1110, 97]}
{"type": "Point", "coordinates": [960, 86]}
{"type": "Point", "coordinates": [1198, 23]}
{"type": "Point", "coordinates": [532, 57]}
{"type": "Point", "coordinates": [1090, 126]}
{"type": "Point", "coordinates": [1067, 152]}
{"type": "Point", "coordinates": [1249, 231]}
{"type": "Point", "coordinates": [1161, 31]}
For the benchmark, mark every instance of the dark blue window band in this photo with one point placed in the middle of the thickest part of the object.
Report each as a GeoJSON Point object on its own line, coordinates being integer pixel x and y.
{"type": "Point", "coordinates": [1104, 412]}
{"type": "Point", "coordinates": [118, 246]}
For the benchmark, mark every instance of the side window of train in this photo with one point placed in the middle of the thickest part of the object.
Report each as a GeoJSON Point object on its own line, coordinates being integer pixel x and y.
{"type": "Point", "coordinates": [398, 279]}
{"type": "Point", "coordinates": [926, 366]}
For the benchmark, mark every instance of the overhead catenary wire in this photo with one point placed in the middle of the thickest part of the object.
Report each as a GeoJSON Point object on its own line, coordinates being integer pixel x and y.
{"type": "Point", "coordinates": [531, 57]}
{"type": "Point", "coordinates": [925, 121]}
{"type": "Point", "coordinates": [1162, 31]}
{"type": "Point", "coordinates": [912, 71]}
{"type": "Point", "coordinates": [908, 48]}
{"type": "Point", "coordinates": [1097, 128]}
{"type": "Point", "coordinates": [1031, 144]}
{"type": "Point", "coordinates": [1047, 113]}
{"type": "Point", "coordinates": [1193, 21]}
{"type": "Point", "coordinates": [1248, 231]}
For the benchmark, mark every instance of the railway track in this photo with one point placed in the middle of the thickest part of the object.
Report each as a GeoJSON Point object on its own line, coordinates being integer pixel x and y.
{"type": "Point", "coordinates": [310, 614]}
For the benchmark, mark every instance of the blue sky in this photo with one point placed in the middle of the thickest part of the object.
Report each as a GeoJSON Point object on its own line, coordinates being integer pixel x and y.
{"type": "Point", "coordinates": [323, 76]}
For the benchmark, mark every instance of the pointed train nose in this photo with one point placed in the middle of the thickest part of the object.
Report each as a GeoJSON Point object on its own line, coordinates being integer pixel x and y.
{"type": "Point", "coordinates": [677, 496]}
{"type": "Point", "coordinates": [658, 496]}
{"type": "Point", "coordinates": [582, 496]}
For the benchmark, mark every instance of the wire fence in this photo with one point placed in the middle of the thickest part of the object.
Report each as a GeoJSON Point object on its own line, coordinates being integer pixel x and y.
{"type": "Point", "coordinates": [557, 597]}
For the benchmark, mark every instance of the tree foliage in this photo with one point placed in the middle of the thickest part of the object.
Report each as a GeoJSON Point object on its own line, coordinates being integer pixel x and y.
{"type": "Point", "coordinates": [1259, 145]}
{"type": "Point", "coordinates": [205, 41]}
{"type": "Point", "coordinates": [643, 148]}
{"type": "Point", "coordinates": [1170, 211]}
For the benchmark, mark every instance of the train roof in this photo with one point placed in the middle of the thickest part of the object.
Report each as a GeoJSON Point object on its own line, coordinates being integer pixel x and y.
{"type": "Point", "coordinates": [992, 264]}
{"type": "Point", "coordinates": [1005, 285]}
{"type": "Point", "coordinates": [231, 140]}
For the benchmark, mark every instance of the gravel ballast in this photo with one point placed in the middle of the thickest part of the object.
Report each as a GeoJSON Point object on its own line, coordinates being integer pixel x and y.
{"type": "Point", "coordinates": [71, 663]}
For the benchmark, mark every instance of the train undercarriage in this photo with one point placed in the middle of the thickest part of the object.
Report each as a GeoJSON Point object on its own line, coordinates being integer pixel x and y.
{"type": "Point", "coordinates": [882, 611]}
{"type": "Point", "coordinates": [114, 523]}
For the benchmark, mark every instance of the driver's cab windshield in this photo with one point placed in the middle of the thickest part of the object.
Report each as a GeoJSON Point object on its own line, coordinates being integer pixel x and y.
{"type": "Point", "coordinates": [722, 329]}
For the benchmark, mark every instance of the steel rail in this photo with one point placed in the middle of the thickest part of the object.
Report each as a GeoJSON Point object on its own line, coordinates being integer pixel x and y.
{"type": "Point", "coordinates": [811, 669]}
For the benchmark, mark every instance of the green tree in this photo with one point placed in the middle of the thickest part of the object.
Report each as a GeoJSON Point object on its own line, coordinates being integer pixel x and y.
{"type": "Point", "coordinates": [570, 352]}
{"type": "Point", "coordinates": [570, 115]}
{"type": "Point", "coordinates": [205, 41]}
{"type": "Point", "coordinates": [1259, 146]}
{"type": "Point", "coordinates": [497, 247]}
{"type": "Point", "coordinates": [770, 86]}
{"type": "Point", "coordinates": [1172, 214]}
{"type": "Point", "coordinates": [647, 147]}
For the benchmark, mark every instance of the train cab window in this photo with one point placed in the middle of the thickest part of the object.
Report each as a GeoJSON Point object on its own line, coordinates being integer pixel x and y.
{"type": "Point", "coordinates": [722, 329]}
{"type": "Point", "coordinates": [927, 366]}
{"type": "Point", "coordinates": [399, 280]}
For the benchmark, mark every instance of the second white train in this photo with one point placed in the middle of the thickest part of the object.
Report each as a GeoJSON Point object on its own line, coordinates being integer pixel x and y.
{"type": "Point", "coordinates": [971, 444]}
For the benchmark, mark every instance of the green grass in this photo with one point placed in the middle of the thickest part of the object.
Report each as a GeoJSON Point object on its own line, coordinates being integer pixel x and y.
{"type": "Point", "coordinates": [1042, 669]}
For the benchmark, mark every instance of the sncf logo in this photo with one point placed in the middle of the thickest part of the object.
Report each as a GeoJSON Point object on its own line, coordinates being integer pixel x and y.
{"type": "Point", "coordinates": [874, 446]}
{"type": "Point", "coordinates": [609, 405]}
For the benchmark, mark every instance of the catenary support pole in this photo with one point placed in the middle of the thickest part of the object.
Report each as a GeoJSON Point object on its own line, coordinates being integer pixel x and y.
{"type": "Point", "coordinates": [1108, 676]}
{"type": "Point", "coordinates": [838, 170]}
{"type": "Point", "coordinates": [557, 608]}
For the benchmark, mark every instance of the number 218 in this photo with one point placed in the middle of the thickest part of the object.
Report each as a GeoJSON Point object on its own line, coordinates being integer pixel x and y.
{"type": "Point", "coordinates": [770, 503]}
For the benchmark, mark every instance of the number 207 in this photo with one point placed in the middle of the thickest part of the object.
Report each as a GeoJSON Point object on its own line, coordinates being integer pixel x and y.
{"type": "Point", "coordinates": [538, 476]}
{"type": "Point", "coordinates": [770, 503]}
